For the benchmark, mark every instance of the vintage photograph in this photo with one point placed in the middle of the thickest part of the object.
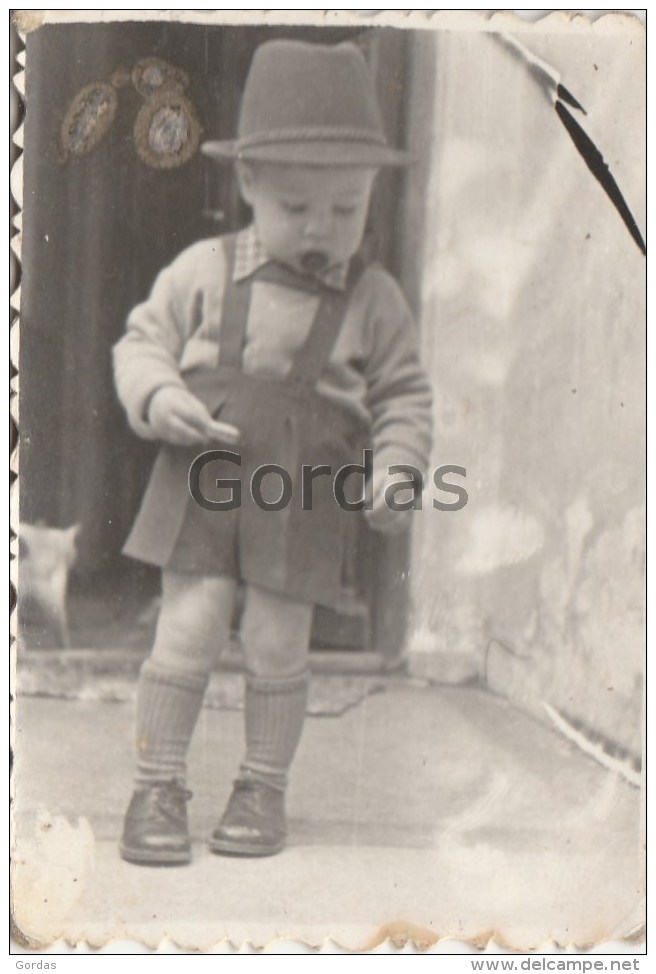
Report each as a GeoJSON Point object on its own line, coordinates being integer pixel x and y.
{"type": "Point", "coordinates": [329, 518]}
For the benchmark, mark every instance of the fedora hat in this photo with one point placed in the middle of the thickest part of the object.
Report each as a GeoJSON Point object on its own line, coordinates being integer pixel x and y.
{"type": "Point", "coordinates": [309, 104]}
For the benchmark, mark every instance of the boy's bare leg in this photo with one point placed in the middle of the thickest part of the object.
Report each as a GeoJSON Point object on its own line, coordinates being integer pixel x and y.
{"type": "Point", "coordinates": [193, 624]}
{"type": "Point", "coordinates": [276, 634]}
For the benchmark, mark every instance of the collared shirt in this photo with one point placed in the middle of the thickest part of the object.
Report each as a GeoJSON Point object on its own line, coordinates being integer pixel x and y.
{"type": "Point", "coordinates": [374, 368]}
{"type": "Point", "coordinates": [250, 255]}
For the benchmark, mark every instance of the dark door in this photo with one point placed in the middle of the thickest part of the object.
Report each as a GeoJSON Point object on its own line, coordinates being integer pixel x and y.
{"type": "Point", "coordinates": [98, 225]}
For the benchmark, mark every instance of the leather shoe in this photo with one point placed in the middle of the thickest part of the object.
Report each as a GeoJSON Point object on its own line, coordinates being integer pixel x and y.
{"type": "Point", "coordinates": [253, 823]}
{"type": "Point", "coordinates": [155, 830]}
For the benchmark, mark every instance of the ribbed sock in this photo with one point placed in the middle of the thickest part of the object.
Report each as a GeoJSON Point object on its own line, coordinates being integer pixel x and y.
{"type": "Point", "coordinates": [168, 704]}
{"type": "Point", "coordinates": [274, 715]}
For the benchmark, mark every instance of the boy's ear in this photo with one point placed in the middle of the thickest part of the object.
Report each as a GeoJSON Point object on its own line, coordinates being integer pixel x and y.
{"type": "Point", "coordinates": [246, 177]}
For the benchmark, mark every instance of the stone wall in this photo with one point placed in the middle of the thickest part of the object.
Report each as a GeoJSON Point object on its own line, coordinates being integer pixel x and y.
{"type": "Point", "coordinates": [533, 321]}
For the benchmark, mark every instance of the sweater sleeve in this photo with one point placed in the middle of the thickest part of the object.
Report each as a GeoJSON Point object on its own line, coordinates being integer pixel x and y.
{"type": "Point", "coordinates": [148, 356]}
{"type": "Point", "coordinates": [399, 392]}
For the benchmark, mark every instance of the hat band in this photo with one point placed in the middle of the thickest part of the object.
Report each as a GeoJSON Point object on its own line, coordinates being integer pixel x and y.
{"type": "Point", "coordinates": [310, 134]}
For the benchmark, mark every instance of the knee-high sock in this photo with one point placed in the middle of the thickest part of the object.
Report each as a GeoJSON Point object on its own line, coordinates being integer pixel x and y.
{"type": "Point", "coordinates": [274, 717]}
{"type": "Point", "coordinates": [168, 704]}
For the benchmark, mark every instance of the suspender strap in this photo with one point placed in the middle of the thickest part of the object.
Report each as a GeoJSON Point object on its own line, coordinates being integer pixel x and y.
{"type": "Point", "coordinates": [312, 357]}
{"type": "Point", "coordinates": [310, 360]}
{"type": "Point", "coordinates": [234, 314]}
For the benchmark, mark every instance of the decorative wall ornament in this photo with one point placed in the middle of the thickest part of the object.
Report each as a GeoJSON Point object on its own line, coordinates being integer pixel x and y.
{"type": "Point", "coordinates": [88, 118]}
{"type": "Point", "coordinates": [152, 73]}
{"type": "Point", "coordinates": [167, 130]}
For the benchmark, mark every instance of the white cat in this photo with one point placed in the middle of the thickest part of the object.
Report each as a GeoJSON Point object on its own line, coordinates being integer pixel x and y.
{"type": "Point", "coordinates": [45, 559]}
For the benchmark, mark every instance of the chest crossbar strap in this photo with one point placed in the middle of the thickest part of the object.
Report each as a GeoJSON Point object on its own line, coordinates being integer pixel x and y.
{"type": "Point", "coordinates": [311, 358]}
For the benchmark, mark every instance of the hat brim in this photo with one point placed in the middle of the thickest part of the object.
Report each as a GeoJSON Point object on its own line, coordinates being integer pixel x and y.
{"type": "Point", "coordinates": [310, 153]}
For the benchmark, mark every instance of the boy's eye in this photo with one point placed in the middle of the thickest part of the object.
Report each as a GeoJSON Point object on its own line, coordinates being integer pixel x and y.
{"type": "Point", "coordinates": [344, 210]}
{"type": "Point", "coordinates": [294, 207]}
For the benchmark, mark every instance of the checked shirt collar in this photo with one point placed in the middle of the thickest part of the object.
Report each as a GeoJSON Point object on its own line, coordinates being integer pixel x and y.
{"type": "Point", "coordinates": [250, 255]}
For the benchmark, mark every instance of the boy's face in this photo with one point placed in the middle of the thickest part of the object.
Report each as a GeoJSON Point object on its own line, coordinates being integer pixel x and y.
{"type": "Point", "coordinates": [310, 218]}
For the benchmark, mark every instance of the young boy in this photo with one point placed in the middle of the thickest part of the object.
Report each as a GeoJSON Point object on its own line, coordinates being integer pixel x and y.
{"type": "Point", "coordinates": [278, 344]}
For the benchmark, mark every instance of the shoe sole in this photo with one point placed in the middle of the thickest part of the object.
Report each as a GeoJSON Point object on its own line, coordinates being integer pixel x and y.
{"type": "Point", "coordinates": [223, 848]}
{"type": "Point", "coordinates": [140, 858]}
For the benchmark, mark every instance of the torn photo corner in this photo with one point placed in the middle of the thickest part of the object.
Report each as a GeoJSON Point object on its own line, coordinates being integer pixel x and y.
{"type": "Point", "coordinates": [335, 699]}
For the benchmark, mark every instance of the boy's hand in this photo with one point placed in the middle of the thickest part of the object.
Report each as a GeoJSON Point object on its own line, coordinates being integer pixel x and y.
{"type": "Point", "coordinates": [179, 418]}
{"type": "Point", "coordinates": [382, 517]}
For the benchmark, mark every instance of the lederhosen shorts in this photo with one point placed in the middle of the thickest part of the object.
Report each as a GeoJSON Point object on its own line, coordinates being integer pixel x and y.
{"type": "Point", "coordinates": [295, 551]}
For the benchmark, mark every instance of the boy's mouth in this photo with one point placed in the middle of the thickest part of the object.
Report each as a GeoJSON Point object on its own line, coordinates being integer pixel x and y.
{"type": "Point", "coordinates": [314, 261]}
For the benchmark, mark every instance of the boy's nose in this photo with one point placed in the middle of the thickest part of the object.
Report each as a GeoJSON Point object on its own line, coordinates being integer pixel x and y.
{"type": "Point", "coordinates": [317, 226]}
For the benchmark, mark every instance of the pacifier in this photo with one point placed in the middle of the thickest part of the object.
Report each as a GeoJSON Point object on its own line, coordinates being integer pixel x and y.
{"type": "Point", "coordinates": [314, 261]}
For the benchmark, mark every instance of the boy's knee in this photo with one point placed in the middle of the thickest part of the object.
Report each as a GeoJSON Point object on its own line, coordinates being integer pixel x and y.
{"type": "Point", "coordinates": [275, 632]}
{"type": "Point", "coordinates": [267, 658]}
{"type": "Point", "coordinates": [272, 647]}
{"type": "Point", "coordinates": [194, 622]}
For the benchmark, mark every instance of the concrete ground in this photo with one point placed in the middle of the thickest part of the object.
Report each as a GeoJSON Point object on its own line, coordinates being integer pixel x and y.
{"type": "Point", "coordinates": [423, 811]}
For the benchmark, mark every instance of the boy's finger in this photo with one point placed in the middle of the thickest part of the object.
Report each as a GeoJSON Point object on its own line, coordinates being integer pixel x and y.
{"type": "Point", "coordinates": [182, 433]}
{"type": "Point", "coordinates": [225, 432]}
{"type": "Point", "coordinates": [194, 414]}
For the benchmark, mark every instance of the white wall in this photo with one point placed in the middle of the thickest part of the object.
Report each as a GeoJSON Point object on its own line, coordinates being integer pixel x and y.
{"type": "Point", "coordinates": [533, 322]}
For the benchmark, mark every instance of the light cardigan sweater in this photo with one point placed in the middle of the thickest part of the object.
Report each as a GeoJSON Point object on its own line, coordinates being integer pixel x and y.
{"type": "Point", "coordinates": [374, 368]}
